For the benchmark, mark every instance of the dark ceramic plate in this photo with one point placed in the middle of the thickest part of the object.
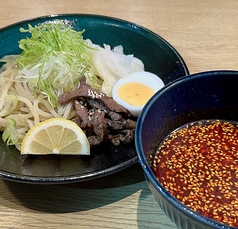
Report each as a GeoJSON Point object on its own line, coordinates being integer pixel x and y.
{"type": "Point", "coordinates": [158, 56]}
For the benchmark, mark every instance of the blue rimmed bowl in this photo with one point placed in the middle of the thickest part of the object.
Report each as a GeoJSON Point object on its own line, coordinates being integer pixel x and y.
{"type": "Point", "coordinates": [202, 96]}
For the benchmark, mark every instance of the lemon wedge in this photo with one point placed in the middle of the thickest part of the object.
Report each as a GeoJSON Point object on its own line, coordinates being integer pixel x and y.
{"type": "Point", "coordinates": [55, 136]}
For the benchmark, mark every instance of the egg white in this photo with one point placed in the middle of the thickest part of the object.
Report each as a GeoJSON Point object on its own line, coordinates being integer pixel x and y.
{"type": "Point", "coordinates": [147, 78]}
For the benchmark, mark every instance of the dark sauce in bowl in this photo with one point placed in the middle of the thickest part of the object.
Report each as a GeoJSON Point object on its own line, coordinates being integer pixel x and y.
{"type": "Point", "coordinates": [198, 165]}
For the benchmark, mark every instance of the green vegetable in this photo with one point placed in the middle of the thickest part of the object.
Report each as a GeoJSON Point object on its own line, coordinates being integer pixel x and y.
{"type": "Point", "coordinates": [10, 134]}
{"type": "Point", "coordinates": [54, 59]}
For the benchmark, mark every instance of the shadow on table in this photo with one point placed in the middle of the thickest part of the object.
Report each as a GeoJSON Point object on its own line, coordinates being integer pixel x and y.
{"type": "Point", "coordinates": [75, 197]}
{"type": "Point", "coordinates": [149, 214]}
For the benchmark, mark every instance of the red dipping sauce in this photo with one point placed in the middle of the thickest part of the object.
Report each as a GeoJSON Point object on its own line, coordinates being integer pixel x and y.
{"type": "Point", "coordinates": [198, 165]}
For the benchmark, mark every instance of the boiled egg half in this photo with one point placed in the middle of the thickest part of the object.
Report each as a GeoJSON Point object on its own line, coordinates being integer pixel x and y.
{"type": "Point", "coordinates": [134, 90]}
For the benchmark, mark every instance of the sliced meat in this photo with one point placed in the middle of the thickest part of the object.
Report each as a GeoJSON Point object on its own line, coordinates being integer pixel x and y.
{"type": "Point", "coordinates": [81, 111]}
{"type": "Point", "coordinates": [87, 91]}
{"type": "Point", "coordinates": [124, 136]}
{"type": "Point", "coordinates": [97, 104]}
{"type": "Point", "coordinates": [122, 124]}
{"type": "Point", "coordinates": [101, 118]}
{"type": "Point", "coordinates": [94, 140]}
{"type": "Point", "coordinates": [99, 125]}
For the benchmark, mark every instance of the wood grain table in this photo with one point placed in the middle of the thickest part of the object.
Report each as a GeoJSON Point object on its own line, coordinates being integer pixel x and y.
{"type": "Point", "coordinates": [204, 33]}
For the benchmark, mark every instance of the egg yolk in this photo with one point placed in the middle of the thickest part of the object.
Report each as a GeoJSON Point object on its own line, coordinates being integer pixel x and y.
{"type": "Point", "coordinates": [135, 94]}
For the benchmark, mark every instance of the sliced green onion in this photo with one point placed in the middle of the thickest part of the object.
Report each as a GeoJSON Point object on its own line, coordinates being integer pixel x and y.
{"type": "Point", "coordinates": [56, 56]}
{"type": "Point", "coordinates": [10, 134]}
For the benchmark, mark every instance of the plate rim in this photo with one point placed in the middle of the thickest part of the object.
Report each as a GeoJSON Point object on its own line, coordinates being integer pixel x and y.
{"type": "Point", "coordinates": [102, 172]}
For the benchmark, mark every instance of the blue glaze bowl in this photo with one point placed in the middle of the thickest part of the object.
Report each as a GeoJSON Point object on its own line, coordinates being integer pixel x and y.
{"type": "Point", "coordinates": [158, 56]}
{"type": "Point", "coordinates": [207, 95]}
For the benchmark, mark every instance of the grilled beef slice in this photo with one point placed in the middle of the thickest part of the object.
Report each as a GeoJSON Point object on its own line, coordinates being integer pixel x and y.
{"type": "Point", "coordinates": [87, 91]}
{"type": "Point", "coordinates": [100, 117]}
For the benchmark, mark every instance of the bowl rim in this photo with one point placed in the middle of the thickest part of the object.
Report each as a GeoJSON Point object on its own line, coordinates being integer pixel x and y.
{"type": "Point", "coordinates": [148, 171]}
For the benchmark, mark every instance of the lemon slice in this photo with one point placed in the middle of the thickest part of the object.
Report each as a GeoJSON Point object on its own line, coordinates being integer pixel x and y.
{"type": "Point", "coordinates": [55, 136]}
